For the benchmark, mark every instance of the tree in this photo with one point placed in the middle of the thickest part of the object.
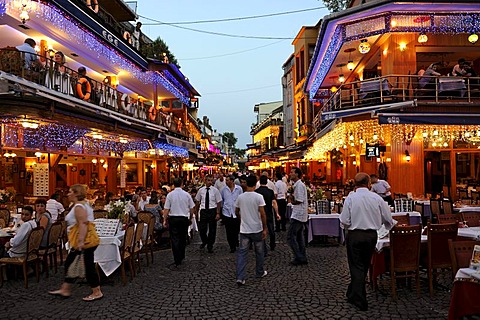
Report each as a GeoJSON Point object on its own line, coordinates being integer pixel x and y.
{"type": "Point", "coordinates": [336, 5]}
{"type": "Point", "coordinates": [156, 49]}
{"type": "Point", "coordinates": [230, 139]}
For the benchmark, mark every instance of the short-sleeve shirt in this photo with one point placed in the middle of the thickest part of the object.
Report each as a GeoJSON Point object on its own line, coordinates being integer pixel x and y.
{"type": "Point", "coordinates": [179, 202]}
{"type": "Point", "coordinates": [381, 187]}
{"type": "Point", "coordinates": [229, 197]}
{"type": "Point", "coordinates": [281, 189]}
{"type": "Point", "coordinates": [300, 211]}
{"type": "Point", "coordinates": [250, 219]}
{"type": "Point", "coordinates": [268, 197]}
{"type": "Point", "coordinates": [214, 197]}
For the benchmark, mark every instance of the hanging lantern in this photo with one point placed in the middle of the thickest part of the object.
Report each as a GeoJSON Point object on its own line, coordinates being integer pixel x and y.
{"type": "Point", "coordinates": [473, 38]}
{"type": "Point", "coordinates": [350, 65]}
{"type": "Point", "coordinates": [341, 78]}
{"type": "Point", "coordinates": [364, 46]}
{"type": "Point", "coordinates": [422, 38]}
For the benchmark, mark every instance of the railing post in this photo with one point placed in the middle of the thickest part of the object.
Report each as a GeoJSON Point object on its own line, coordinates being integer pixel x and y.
{"type": "Point", "coordinates": [436, 89]}
{"type": "Point", "coordinates": [381, 90]}
{"type": "Point", "coordinates": [468, 89]}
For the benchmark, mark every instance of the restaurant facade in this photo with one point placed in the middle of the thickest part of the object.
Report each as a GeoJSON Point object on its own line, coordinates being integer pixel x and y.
{"type": "Point", "coordinates": [130, 121]}
{"type": "Point", "coordinates": [378, 114]}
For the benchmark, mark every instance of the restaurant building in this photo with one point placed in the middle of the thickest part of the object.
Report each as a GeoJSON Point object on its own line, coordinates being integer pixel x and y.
{"type": "Point", "coordinates": [379, 114]}
{"type": "Point", "coordinates": [131, 121]}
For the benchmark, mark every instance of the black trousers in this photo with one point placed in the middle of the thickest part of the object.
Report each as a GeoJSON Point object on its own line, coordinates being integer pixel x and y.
{"type": "Point", "coordinates": [282, 211]}
{"type": "Point", "coordinates": [360, 246]}
{"type": "Point", "coordinates": [178, 227]}
{"type": "Point", "coordinates": [208, 227]}
{"type": "Point", "coordinates": [232, 229]}
{"type": "Point", "coordinates": [90, 270]}
{"type": "Point", "coordinates": [271, 235]}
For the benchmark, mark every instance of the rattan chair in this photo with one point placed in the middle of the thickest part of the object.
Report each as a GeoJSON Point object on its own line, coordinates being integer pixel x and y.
{"type": "Point", "coordinates": [125, 253]}
{"type": "Point", "coordinates": [50, 252]}
{"type": "Point", "coordinates": [471, 218]}
{"type": "Point", "coordinates": [475, 195]}
{"type": "Point", "coordinates": [3, 224]}
{"type": "Point", "coordinates": [100, 214]}
{"type": "Point", "coordinates": [460, 253]}
{"type": "Point", "coordinates": [137, 246]}
{"type": "Point", "coordinates": [438, 253]}
{"type": "Point", "coordinates": [32, 255]}
{"type": "Point", "coordinates": [462, 194]}
{"type": "Point", "coordinates": [405, 254]}
{"type": "Point", "coordinates": [62, 240]}
{"type": "Point", "coordinates": [5, 215]}
{"type": "Point", "coordinates": [149, 219]}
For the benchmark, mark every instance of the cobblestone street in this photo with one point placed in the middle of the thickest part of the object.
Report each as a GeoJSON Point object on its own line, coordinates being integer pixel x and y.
{"type": "Point", "coordinates": [204, 288]}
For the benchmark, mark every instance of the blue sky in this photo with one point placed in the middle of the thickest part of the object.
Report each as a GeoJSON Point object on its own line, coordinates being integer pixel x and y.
{"type": "Point", "coordinates": [225, 82]}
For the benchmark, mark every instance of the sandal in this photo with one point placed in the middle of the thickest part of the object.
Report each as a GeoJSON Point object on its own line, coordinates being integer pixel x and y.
{"type": "Point", "coordinates": [59, 293]}
{"type": "Point", "coordinates": [92, 298]}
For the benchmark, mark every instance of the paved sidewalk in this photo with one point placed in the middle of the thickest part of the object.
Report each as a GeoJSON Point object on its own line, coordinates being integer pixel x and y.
{"type": "Point", "coordinates": [204, 288]}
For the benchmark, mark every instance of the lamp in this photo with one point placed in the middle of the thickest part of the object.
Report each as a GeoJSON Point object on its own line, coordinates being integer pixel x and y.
{"type": "Point", "coordinates": [407, 156]}
{"type": "Point", "coordinates": [341, 77]}
{"type": "Point", "coordinates": [102, 161]}
{"type": "Point", "coordinates": [350, 64]}
{"type": "Point", "coordinates": [364, 46]}
{"type": "Point", "coordinates": [422, 38]}
{"type": "Point", "coordinates": [94, 161]}
{"type": "Point", "coordinates": [105, 166]}
{"type": "Point", "coordinates": [473, 38]}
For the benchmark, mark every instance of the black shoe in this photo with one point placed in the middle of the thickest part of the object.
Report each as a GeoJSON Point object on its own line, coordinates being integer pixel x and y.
{"type": "Point", "coordinates": [298, 263]}
{"type": "Point", "coordinates": [210, 250]}
{"type": "Point", "coordinates": [358, 305]}
{"type": "Point", "coordinates": [202, 246]}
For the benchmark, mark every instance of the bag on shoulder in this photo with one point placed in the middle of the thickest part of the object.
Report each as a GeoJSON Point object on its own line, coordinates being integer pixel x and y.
{"type": "Point", "coordinates": [91, 239]}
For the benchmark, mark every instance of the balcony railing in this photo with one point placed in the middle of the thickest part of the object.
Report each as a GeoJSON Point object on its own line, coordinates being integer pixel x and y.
{"type": "Point", "coordinates": [50, 74]}
{"type": "Point", "coordinates": [398, 88]}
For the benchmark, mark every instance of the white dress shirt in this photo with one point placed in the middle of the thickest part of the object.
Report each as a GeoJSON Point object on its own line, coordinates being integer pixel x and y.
{"type": "Point", "coordinates": [382, 188]}
{"type": "Point", "coordinates": [229, 197]}
{"type": "Point", "coordinates": [300, 211]}
{"type": "Point", "coordinates": [220, 184]}
{"type": "Point", "coordinates": [214, 197]}
{"type": "Point", "coordinates": [365, 210]}
{"type": "Point", "coordinates": [179, 202]}
{"type": "Point", "coordinates": [281, 189]}
{"type": "Point", "coordinates": [55, 208]}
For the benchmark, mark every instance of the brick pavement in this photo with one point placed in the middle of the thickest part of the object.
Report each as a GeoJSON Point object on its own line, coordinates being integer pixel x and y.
{"type": "Point", "coordinates": [204, 288]}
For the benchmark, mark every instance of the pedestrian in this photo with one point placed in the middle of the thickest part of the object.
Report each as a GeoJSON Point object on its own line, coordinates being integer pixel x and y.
{"type": "Point", "coordinates": [54, 207]}
{"type": "Point", "coordinates": [250, 208]}
{"type": "Point", "coordinates": [209, 201]}
{"type": "Point", "coordinates": [220, 183]}
{"type": "Point", "coordinates": [280, 224]}
{"type": "Point", "coordinates": [179, 209]}
{"type": "Point", "coordinates": [363, 214]}
{"type": "Point", "coordinates": [298, 219]}
{"type": "Point", "coordinates": [232, 224]}
{"type": "Point", "coordinates": [31, 60]}
{"type": "Point", "coordinates": [382, 188]}
{"type": "Point", "coordinates": [270, 209]}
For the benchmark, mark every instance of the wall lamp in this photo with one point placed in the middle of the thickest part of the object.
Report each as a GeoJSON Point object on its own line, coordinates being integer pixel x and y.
{"type": "Point", "coordinates": [407, 156]}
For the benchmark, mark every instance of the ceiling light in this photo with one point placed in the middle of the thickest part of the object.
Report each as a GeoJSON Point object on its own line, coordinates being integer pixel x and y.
{"type": "Point", "coordinates": [473, 38]}
{"type": "Point", "coordinates": [341, 78]}
{"type": "Point", "coordinates": [97, 136]}
{"type": "Point", "coordinates": [422, 38]}
{"type": "Point", "coordinates": [364, 46]}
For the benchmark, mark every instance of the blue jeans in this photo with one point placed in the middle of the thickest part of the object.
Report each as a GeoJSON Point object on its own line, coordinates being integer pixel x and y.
{"type": "Point", "coordinates": [296, 240]}
{"type": "Point", "coordinates": [245, 240]}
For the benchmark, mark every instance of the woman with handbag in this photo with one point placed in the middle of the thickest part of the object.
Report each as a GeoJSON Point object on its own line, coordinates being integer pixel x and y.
{"type": "Point", "coordinates": [83, 241]}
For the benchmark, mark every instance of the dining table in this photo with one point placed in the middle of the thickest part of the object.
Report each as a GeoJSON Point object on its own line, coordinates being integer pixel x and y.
{"type": "Point", "coordinates": [107, 254]}
{"type": "Point", "coordinates": [465, 296]}
{"type": "Point", "coordinates": [325, 225]}
{"type": "Point", "coordinates": [452, 84]}
{"type": "Point", "coordinates": [472, 233]}
{"type": "Point", "coordinates": [374, 87]}
{"type": "Point", "coordinates": [414, 216]}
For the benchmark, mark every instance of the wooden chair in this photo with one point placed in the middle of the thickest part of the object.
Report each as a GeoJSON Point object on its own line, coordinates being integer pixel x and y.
{"type": "Point", "coordinates": [137, 245]}
{"type": "Point", "coordinates": [328, 195]}
{"type": "Point", "coordinates": [475, 195]}
{"type": "Point", "coordinates": [460, 253]}
{"type": "Point", "coordinates": [50, 252]}
{"type": "Point", "coordinates": [472, 218]}
{"type": "Point", "coordinates": [125, 253]}
{"type": "Point", "coordinates": [405, 254]}
{"type": "Point", "coordinates": [402, 220]}
{"type": "Point", "coordinates": [149, 219]}
{"type": "Point", "coordinates": [403, 205]}
{"type": "Point", "coordinates": [62, 240]}
{"type": "Point", "coordinates": [449, 218]}
{"type": "Point", "coordinates": [33, 244]}
{"type": "Point", "coordinates": [3, 224]}
{"type": "Point", "coordinates": [435, 207]}
{"type": "Point", "coordinates": [5, 215]}
{"type": "Point", "coordinates": [100, 214]}
{"type": "Point", "coordinates": [447, 206]}
{"type": "Point", "coordinates": [438, 254]}
{"type": "Point", "coordinates": [446, 191]}
{"type": "Point", "coordinates": [462, 194]}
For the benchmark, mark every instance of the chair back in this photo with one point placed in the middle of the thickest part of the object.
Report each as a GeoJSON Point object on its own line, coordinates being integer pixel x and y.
{"type": "Point", "coordinates": [462, 194]}
{"type": "Point", "coordinates": [446, 191]}
{"type": "Point", "coordinates": [149, 219]}
{"type": "Point", "coordinates": [128, 239]}
{"type": "Point", "coordinates": [460, 253]}
{"type": "Point", "coordinates": [405, 247]}
{"type": "Point", "coordinates": [138, 236]}
{"type": "Point", "coordinates": [54, 234]}
{"type": "Point", "coordinates": [419, 208]}
{"type": "Point", "coordinates": [438, 235]}
{"type": "Point", "coordinates": [100, 214]}
{"type": "Point", "coordinates": [449, 218]}
{"type": "Point", "coordinates": [402, 220]}
{"type": "Point", "coordinates": [328, 195]}
{"type": "Point", "coordinates": [5, 215]}
{"type": "Point", "coordinates": [475, 195]}
{"type": "Point", "coordinates": [2, 223]}
{"type": "Point", "coordinates": [144, 216]}
{"type": "Point", "coordinates": [447, 206]}
{"type": "Point", "coordinates": [472, 218]}
{"type": "Point", "coordinates": [11, 60]}
{"type": "Point", "coordinates": [435, 206]}
{"type": "Point", "coordinates": [403, 205]}
{"type": "Point", "coordinates": [33, 242]}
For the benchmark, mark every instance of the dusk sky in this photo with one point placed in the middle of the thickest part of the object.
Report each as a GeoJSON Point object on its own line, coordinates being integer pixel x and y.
{"type": "Point", "coordinates": [231, 74]}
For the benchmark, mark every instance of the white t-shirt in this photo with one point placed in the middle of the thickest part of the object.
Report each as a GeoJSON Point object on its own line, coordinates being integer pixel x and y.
{"type": "Point", "coordinates": [250, 219]}
{"type": "Point", "coordinates": [179, 202]}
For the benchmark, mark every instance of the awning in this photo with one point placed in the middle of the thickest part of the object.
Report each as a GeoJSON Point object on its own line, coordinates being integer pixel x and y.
{"type": "Point", "coordinates": [429, 118]}
{"type": "Point", "coordinates": [329, 127]}
{"type": "Point", "coordinates": [179, 142]}
{"type": "Point", "coordinates": [336, 114]}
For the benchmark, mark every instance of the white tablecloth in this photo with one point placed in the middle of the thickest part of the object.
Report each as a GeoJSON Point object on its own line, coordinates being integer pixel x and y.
{"type": "Point", "coordinates": [473, 233]}
{"type": "Point", "coordinates": [467, 209]}
{"type": "Point", "coordinates": [451, 84]}
{"type": "Point", "coordinates": [107, 254]}
{"type": "Point", "coordinates": [467, 273]}
{"type": "Point", "coordinates": [385, 242]}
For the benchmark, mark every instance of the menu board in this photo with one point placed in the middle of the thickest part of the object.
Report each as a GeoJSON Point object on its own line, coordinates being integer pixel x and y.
{"type": "Point", "coordinates": [106, 227]}
{"type": "Point", "coordinates": [475, 262]}
{"type": "Point", "coordinates": [40, 180]}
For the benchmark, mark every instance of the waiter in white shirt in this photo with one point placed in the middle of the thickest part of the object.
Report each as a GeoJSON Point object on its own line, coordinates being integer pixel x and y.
{"type": "Point", "coordinates": [281, 203]}
{"type": "Point", "coordinates": [209, 201]}
{"type": "Point", "coordinates": [382, 188]}
{"type": "Point", "coordinates": [54, 207]}
{"type": "Point", "coordinates": [179, 208]}
{"type": "Point", "coordinates": [363, 214]}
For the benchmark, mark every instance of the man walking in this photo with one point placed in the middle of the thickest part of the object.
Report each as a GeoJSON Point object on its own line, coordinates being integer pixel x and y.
{"type": "Point", "coordinates": [280, 224]}
{"type": "Point", "coordinates": [298, 219]}
{"type": "Point", "coordinates": [179, 210]}
{"type": "Point", "coordinates": [249, 207]}
{"type": "Point", "coordinates": [363, 214]}
{"type": "Point", "coordinates": [232, 224]}
{"type": "Point", "coordinates": [209, 201]}
{"type": "Point", "coordinates": [270, 205]}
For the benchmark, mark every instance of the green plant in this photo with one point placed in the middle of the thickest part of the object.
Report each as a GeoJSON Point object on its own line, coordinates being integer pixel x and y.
{"type": "Point", "coordinates": [117, 209]}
